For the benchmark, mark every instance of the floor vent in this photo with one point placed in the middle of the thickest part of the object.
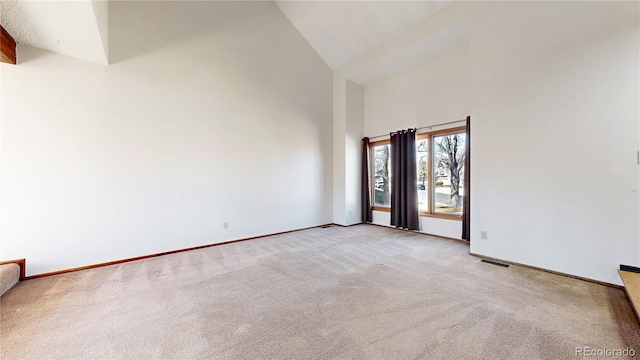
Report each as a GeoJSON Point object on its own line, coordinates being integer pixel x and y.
{"type": "Point", "coordinates": [494, 263]}
{"type": "Point", "coordinates": [325, 226]}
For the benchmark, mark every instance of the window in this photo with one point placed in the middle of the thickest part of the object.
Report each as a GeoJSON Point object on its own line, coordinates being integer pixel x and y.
{"type": "Point", "coordinates": [448, 165]}
{"type": "Point", "coordinates": [381, 175]}
{"type": "Point", "coordinates": [422, 149]}
{"type": "Point", "coordinates": [439, 168]}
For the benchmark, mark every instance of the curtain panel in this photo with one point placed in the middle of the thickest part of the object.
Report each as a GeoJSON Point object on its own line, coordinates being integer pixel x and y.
{"type": "Point", "coordinates": [404, 188]}
{"type": "Point", "coordinates": [365, 210]}
{"type": "Point", "coordinates": [466, 202]}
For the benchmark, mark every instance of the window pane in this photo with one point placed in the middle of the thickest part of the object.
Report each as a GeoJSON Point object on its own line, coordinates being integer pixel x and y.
{"type": "Point", "coordinates": [381, 176]}
{"type": "Point", "coordinates": [448, 171]}
{"type": "Point", "coordinates": [422, 148]}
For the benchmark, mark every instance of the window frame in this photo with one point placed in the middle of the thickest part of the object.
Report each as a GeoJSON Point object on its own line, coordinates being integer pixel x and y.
{"type": "Point", "coordinates": [429, 135]}
{"type": "Point", "coordinates": [372, 174]}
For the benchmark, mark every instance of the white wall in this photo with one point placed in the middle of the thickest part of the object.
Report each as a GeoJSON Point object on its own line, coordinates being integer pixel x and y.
{"type": "Point", "coordinates": [348, 118]}
{"type": "Point", "coordinates": [339, 167]}
{"type": "Point", "coordinates": [208, 120]}
{"type": "Point", "coordinates": [353, 152]}
{"type": "Point", "coordinates": [101, 13]}
{"type": "Point", "coordinates": [433, 92]}
{"type": "Point", "coordinates": [555, 114]}
{"type": "Point", "coordinates": [409, 47]}
{"type": "Point", "coordinates": [552, 90]}
{"type": "Point", "coordinates": [210, 112]}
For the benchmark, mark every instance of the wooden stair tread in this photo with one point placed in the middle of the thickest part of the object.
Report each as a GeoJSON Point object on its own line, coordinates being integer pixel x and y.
{"type": "Point", "coordinates": [631, 282]}
{"type": "Point", "coordinates": [9, 276]}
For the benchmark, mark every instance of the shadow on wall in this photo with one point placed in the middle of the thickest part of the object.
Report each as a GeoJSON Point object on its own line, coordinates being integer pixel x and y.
{"type": "Point", "coordinates": [26, 53]}
{"type": "Point", "coordinates": [137, 28]}
{"type": "Point", "coordinates": [221, 45]}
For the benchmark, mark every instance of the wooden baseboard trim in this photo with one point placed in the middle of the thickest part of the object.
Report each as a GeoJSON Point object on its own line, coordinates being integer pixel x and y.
{"type": "Point", "coordinates": [549, 271]}
{"type": "Point", "coordinates": [21, 263]}
{"type": "Point", "coordinates": [421, 233]}
{"type": "Point", "coordinates": [345, 226]}
{"type": "Point", "coordinates": [93, 266]}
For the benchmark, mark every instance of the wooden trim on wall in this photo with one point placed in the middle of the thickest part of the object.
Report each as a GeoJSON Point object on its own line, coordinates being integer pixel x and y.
{"type": "Point", "coordinates": [549, 271]}
{"type": "Point", "coordinates": [430, 178]}
{"type": "Point", "coordinates": [441, 216]}
{"type": "Point", "coordinates": [162, 254]}
{"type": "Point", "coordinates": [7, 47]}
{"type": "Point", "coordinates": [379, 142]}
{"type": "Point", "coordinates": [379, 208]}
{"type": "Point", "coordinates": [21, 263]}
{"type": "Point", "coordinates": [443, 131]}
{"type": "Point", "coordinates": [346, 226]}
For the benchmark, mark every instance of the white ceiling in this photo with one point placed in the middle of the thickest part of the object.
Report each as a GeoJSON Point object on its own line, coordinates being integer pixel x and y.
{"type": "Point", "coordinates": [341, 31]}
{"type": "Point", "coordinates": [74, 28]}
{"type": "Point", "coordinates": [454, 35]}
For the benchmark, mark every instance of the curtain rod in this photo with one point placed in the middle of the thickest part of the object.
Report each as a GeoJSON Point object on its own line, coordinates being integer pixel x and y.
{"type": "Point", "coordinates": [424, 127]}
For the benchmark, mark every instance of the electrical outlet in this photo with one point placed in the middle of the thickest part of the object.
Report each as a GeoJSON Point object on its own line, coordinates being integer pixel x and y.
{"type": "Point", "coordinates": [483, 235]}
{"type": "Point", "coordinates": [225, 225]}
{"type": "Point", "coordinates": [349, 212]}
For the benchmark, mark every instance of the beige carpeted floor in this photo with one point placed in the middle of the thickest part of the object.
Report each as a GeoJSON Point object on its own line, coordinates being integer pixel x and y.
{"type": "Point", "coordinates": [362, 292]}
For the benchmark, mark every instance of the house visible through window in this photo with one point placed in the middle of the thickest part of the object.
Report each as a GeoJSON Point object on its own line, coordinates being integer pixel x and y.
{"type": "Point", "coordinates": [440, 173]}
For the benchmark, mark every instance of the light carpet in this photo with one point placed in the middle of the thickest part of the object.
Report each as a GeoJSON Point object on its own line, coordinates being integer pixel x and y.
{"type": "Point", "coordinates": [363, 292]}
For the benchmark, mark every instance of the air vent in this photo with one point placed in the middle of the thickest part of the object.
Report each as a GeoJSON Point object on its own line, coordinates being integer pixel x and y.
{"type": "Point", "coordinates": [494, 263]}
{"type": "Point", "coordinates": [325, 226]}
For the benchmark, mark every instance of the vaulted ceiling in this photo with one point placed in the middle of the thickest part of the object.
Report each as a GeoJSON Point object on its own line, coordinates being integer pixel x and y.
{"type": "Point", "coordinates": [339, 31]}
{"type": "Point", "coordinates": [74, 28]}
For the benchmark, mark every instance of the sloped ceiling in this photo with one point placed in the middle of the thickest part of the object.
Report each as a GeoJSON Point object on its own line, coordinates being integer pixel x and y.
{"type": "Point", "coordinates": [341, 31]}
{"type": "Point", "coordinates": [75, 28]}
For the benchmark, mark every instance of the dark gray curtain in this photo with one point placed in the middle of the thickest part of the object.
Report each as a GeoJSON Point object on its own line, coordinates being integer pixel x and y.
{"type": "Point", "coordinates": [404, 180]}
{"type": "Point", "coordinates": [366, 211]}
{"type": "Point", "coordinates": [466, 204]}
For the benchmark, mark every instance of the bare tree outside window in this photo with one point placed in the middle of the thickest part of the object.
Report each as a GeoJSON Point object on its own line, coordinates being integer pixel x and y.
{"type": "Point", "coordinates": [449, 156]}
{"type": "Point", "coordinates": [422, 149]}
{"type": "Point", "coordinates": [382, 181]}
